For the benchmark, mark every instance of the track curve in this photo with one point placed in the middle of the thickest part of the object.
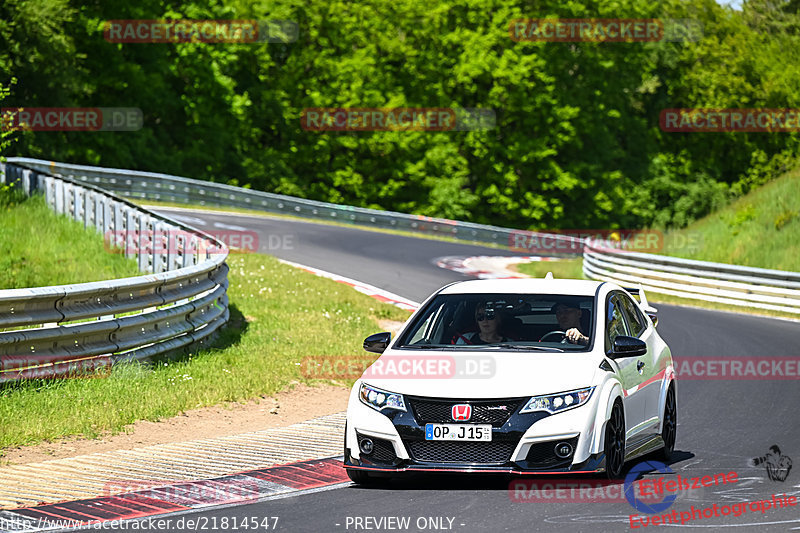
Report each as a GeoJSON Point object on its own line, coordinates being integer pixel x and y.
{"type": "Point", "coordinates": [722, 424]}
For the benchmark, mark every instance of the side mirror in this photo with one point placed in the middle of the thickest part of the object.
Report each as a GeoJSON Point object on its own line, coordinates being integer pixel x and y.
{"type": "Point", "coordinates": [625, 346]}
{"type": "Point", "coordinates": [378, 342]}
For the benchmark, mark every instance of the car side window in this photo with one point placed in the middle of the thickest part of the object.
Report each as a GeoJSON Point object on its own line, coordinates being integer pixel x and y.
{"type": "Point", "coordinates": [423, 332]}
{"type": "Point", "coordinates": [636, 322]}
{"type": "Point", "coordinates": [615, 323]}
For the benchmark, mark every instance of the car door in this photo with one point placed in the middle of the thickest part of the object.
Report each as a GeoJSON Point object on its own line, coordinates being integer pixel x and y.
{"type": "Point", "coordinates": [650, 372]}
{"type": "Point", "coordinates": [626, 369]}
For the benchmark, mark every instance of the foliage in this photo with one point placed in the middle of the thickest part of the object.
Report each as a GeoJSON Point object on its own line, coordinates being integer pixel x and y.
{"type": "Point", "coordinates": [577, 141]}
{"type": "Point", "coordinates": [5, 134]}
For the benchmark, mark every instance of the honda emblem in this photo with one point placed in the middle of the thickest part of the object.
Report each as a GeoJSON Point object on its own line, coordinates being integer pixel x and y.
{"type": "Point", "coordinates": [461, 412]}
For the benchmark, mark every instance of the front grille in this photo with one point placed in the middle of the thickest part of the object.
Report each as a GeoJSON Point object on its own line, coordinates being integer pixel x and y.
{"type": "Point", "coordinates": [461, 452]}
{"type": "Point", "coordinates": [494, 412]}
{"type": "Point", "coordinates": [382, 451]}
{"type": "Point", "coordinates": [543, 455]}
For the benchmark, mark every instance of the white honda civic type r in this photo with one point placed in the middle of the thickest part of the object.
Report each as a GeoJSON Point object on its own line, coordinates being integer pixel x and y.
{"type": "Point", "coordinates": [521, 376]}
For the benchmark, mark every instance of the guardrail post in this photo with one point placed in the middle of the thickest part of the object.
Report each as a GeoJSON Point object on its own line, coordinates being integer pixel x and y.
{"type": "Point", "coordinates": [88, 208]}
{"type": "Point", "coordinates": [77, 198]}
{"type": "Point", "coordinates": [69, 201]}
{"type": "Point", "coordinates": [26, 182]}
{"type": "Point", "coordinates": [49, 189]}
{"type": "Point", "coordinates": [160, 247]}
{"type": "Point", "coordinates": [59, 190]}
{"type": "Point", "coordinates": [131, 227]}
{"type": "Point", "coordinates": [99, 213]}
{"type": "Point", "coordinates": [179, 259]}
{"type": "Point", "coordinates": [108, 218]}
{"type": "Point", "coordinates": [143, 244]}
{"type": "Point", "coordinates": [190, 251]}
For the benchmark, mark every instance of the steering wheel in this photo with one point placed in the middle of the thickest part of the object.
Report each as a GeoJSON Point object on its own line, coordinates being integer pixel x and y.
{"type": "Point", "coordinates": [555, 332]}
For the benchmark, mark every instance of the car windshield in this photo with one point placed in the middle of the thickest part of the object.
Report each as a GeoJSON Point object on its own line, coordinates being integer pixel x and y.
{"type": "Point", "coordinates": [539, 322]}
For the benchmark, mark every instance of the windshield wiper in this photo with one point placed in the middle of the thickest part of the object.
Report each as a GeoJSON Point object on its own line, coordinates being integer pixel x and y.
{"type": "Point", "coordinates": [478, 347]}
{"type": "Point", "coordinates": [529, 347]}
{"type": "Point", "coordinates": [428, 346]}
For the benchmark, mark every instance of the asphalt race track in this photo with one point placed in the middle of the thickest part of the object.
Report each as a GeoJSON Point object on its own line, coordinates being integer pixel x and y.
{"type": "Point", "coordinates": [721, 423]}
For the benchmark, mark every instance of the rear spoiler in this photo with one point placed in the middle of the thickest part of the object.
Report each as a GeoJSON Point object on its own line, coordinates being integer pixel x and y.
{"type": "Point", "coordinates": [651, 311]}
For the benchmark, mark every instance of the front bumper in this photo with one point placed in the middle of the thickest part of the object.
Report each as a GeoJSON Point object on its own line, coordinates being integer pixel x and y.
{"type": "Point", "coordinates": [521, 443]}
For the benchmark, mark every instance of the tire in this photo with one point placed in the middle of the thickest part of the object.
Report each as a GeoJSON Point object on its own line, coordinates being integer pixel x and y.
{"type": "Point", "coordinates": [669, 425]}
{"type": "Point", "coordinates": [614, 444]}
{"type": "Point", "coordinates": [344, 442]}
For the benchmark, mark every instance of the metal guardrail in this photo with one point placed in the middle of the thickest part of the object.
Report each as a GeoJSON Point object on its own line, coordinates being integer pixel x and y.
{"type": "Point", "coordinates": [167, 188]}
{"type": "Point", "coordinates": [760, 288]}
{"type": "Point", "coordinates": [699, 280]}
{"type": "Point", "coordinates": [71, 329]}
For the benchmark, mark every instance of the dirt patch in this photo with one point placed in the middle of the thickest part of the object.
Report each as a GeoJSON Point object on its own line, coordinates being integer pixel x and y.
{"type": "Point", "coordinates": [392, 326]}
{"type": "Point", "coordinates": [285, 408]}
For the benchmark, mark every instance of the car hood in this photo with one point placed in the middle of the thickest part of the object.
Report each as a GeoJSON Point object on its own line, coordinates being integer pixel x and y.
{"type": "Point", "coordinates": [476, 375]}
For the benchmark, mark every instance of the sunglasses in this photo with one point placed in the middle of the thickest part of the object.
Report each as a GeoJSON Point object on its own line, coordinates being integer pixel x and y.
{"type": "Point", "coordinates": [489, 315]}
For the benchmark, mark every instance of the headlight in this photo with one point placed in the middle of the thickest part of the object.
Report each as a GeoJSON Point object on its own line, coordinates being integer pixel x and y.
{"type": "Point", "coordinates": [556, 403]}
{"type": "Point", "coordinates": [380, 399]}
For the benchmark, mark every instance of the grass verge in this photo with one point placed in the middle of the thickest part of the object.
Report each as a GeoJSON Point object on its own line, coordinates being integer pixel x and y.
{"type": "Point", "coordinates": [38, 247]}
{"type": "Point", "coordinates": [568, 268]}
{"type": "Point", "coordinates": [761, 229]}
{"type": "Point", "coordinates": [280, 315]}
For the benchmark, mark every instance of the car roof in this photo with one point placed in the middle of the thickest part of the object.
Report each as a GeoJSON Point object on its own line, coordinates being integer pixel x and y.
{"type": "Point", "coordinates": [575, 287]}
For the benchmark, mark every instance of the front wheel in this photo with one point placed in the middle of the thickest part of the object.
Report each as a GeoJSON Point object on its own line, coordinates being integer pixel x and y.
{"type": "Point", "coordinates": [670, 424]}
{"type": "Point", "coordinates": [615, 442]}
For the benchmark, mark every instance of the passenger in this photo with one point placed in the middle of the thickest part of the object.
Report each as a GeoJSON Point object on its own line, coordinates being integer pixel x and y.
{"type": "Point", "coordinates": [489, 323]}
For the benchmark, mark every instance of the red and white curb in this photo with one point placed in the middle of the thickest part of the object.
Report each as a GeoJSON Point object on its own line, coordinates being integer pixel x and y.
{"type": "Point", "coordinates": [245, 487]}
{"type": "Point", "coordinates": [488, 267]}
{"type": "Point", "coordinates": [118, 471]}
{"type": "Point", "coordinates": [364, 288]}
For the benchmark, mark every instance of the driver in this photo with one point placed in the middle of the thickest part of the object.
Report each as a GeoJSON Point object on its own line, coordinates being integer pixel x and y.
{"type": "Point", "coordinates": [569, 315]}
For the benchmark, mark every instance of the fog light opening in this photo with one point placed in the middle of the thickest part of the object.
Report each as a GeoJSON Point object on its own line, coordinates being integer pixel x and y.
{"type": "Point", "coordinates": [563, 449]}
{"type": "Point", "coordinates": [366, 446]}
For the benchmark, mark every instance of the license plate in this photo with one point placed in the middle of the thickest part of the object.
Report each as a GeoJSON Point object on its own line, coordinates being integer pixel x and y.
{"type": "Point", "coordinates": [471, 432]}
